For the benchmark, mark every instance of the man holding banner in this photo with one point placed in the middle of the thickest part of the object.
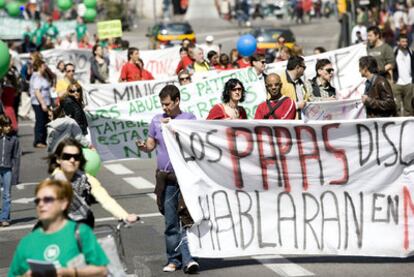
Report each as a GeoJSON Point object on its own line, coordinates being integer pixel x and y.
{"type": "Point", "coordinates": [167, 189]}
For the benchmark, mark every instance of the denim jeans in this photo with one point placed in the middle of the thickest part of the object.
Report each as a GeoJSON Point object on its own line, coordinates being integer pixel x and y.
{"type": "Point", "coordinates": [40, 132]}
{"type": "Point", "coordinates": [5, 176]}
{"type": "Point", "coordinates": [177, 249]}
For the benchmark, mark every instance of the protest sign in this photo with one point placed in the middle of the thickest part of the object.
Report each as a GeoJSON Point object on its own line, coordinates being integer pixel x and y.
{"type": "Point", "coordinates": [99, 95]}
{"type": "Point", "coordinates": [13, 28]}
{"type": "Point", "coordinates": [109, 29]}
{"type": "Point", "coordinates": [334, 110]}
{"type": "Point", "coordinates": [161, 63]}
{"type": "Point", "coordinates": [115, 128]}
{"type": "Point", "coordinates": [266, 187]}
{"type": "Point", "coordinates": [347, 80]}
{"type": "Point", "coordinates": [80, 58]}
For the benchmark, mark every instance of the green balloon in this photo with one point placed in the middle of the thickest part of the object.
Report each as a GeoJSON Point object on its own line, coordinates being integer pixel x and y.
{"type": "Point", "coordinates": [64, 5]}
{"type": "Point", "coordinates": [4, 59]}
{"type": "Point", "coordinates": [93, 161]}
{"type": "Point", "coordinates": [90, 4]}
{"type": "Point", "coordinates": [89, 15]}
{"type": "Point", "coordinates": [2, 4]}
{"type": "Point", "coordinates": [13, 8]}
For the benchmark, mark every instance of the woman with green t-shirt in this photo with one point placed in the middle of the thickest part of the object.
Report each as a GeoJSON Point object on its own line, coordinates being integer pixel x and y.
{"type": "Point", "coordinates": [56, 240]}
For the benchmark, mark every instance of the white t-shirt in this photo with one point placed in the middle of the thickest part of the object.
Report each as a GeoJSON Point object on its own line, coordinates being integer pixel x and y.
{"type": "Point", "coordinates": [403, 62]}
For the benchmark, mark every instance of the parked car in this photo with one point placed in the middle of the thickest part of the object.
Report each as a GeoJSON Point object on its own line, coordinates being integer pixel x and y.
{"type": "Point", "coordinates": [163, 35]}
{"type": "Point", "coordinates": [267, 38]}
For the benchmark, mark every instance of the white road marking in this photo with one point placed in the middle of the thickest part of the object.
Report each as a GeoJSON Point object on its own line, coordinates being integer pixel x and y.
{"type": "Point", "coordinates": [103, 219]}
{"type": "Point", "coordinates": [283, 266]}
{"type": "Point", "coordinates": [118, 169]}
{"type": "Point", "coordinates": [23, 200]}
{"type": "Point", "coordinates": [153, 196]}
{"type": "Point", "coordinates": [139, 182]}
{"type": "Point", "coordinates": [22, 185]}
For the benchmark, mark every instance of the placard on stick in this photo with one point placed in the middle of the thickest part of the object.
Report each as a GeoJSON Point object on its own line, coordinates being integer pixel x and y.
{"type": "Point", "coordinates": [109, 29]}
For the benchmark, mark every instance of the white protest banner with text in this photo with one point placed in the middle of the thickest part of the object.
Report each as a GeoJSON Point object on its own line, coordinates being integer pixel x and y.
{"type": "Point", "coordinates": [99, 95]}
{"type": "Point", "coordinates": [347, 80]}
{"type": "Point", "coordinates": [115, 128]}
{"type": "Point", "coordinates": [334, 110]}
{"type": "Point", "coordinates": [79, 57]}
{"type": "Point", "coordinates": [161, 63]}
{"type": "Point", "coordinates": [284, 187]}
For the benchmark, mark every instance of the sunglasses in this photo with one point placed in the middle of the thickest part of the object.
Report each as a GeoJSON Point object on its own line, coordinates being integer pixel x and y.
{"type": "Point", "coordinates": [74, 91]}
{"type": "Point", "coordinates": [67, 157]}
{"type": "Point", "coordinates": [330, 70]}
{"type": "Point", "coordinates": [185, 78]}
{"type": "Point", "coordinates": [45, 200]}
{"type": "Point", "coordinates": [236, 89]}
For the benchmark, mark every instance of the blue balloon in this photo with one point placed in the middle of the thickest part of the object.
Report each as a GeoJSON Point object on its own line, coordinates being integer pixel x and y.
{"type": "Point", "coordinates": [246, 45]}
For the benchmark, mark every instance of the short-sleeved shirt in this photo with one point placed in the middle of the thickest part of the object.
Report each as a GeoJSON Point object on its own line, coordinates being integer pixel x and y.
{"type": "Point", "coordinates": [50, 30]}
{"type": "Point", "coordinates": [38, 82]}
{"type": "Point", "coordinates": [383, 54]}
{"type": "Point", "coordinates": [130, 72]}
{"type": "Point", "coordinates": [155, 132]}
{"type": "Point", "coordinates": [81, 30]}
{"type": "Point", "coordinates": [58, 248]}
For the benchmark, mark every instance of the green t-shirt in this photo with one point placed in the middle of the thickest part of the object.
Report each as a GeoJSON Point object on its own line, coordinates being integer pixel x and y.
{"type": "Point", "coordinates": [50, 30]}
{"type": "Point", "coordinates": [383, 54]}
{"type": "Point", "coordinates": [59, 248]}
{"type": "Point", "coordinates": [38, 34]}
{"type": "Point", "coordinates": [81, 30]}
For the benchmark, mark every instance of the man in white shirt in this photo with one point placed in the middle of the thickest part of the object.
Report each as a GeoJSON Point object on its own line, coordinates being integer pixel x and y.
{"type": "Point", "coordinates": [403, 77]}
{"type": "Point", "coordinates": [359, 27]}
{"type": "Point", "coordinates": [209, 46]}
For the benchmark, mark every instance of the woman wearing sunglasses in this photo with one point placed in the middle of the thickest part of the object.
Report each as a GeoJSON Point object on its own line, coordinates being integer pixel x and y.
{"type": "Point", "coordinates": [55, 240]}
{"type": "Point", "coordinates": [67, 163]}
{"type": "Point", "coordinates": [72, 104]}
{"type": "Point", "coordinates": [233, 93]}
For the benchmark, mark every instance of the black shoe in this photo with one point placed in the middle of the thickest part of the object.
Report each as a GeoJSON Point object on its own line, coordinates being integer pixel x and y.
{"type": "Point", "coordinates": [191, 268]}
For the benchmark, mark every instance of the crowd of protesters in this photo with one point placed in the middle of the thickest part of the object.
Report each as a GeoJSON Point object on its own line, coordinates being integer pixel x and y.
{"type": "Point", "coordinates": [56, 98]}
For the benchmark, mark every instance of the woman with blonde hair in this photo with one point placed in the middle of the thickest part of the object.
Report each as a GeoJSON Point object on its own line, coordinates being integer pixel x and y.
{"type": "Point", "coordinates": [73, 106]}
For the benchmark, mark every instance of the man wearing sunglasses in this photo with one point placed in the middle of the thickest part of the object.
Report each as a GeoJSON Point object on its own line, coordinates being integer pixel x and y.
{"type": "Point", "coordinates": [68, 78]}
{"type": "Point", "coordinates": [322, 90]}
{"type": "Point", "coordinates": [292, 84]}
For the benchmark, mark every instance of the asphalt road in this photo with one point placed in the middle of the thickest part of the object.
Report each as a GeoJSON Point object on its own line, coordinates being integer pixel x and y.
{"type": "Point", "coordinates": [131, 183]}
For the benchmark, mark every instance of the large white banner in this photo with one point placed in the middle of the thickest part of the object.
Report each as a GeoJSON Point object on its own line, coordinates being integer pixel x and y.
{"type": "Point", "coordinates": [99, 95]}
{"type": "Point", "coordinates": [283, 187]}
{"type": "Point", "coordinates": [161, 63]}
{"type": "Point", "coordinates": [115, 128]}
{"type": "Point", "coordinates": [79, 57]}
{"type": "Point", "coordinates": [347, 79]}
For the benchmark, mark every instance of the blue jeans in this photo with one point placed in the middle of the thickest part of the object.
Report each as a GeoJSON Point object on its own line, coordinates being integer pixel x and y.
{"type": "Point", "coordinates": [5, 176]}
{"type": "Point", "coordinates": [177, 248]}
{"type": "Point", "coordinates": [40, 132]}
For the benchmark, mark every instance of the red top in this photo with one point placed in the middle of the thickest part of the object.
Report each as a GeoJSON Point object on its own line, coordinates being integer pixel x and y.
{"type": "Point", "coordinates": [222, 67]}
{"type": "Point", "coordinates": [131, 72]}
{"type": "Point", "coordinates": [8, 96]}
{"type": "Point", "coordinates": [183, 64]}
{"type": "Point", "coordinates": [243, 64]}
{"type": "Point", "coordinates": [287, 110]}
{"type": "Point", "coordinates": [218, 112]}
{"type": "Point", "coordinates": [146, 75]}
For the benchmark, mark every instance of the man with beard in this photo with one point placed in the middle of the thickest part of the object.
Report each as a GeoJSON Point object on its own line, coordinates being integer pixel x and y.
{"type": "Point", "coordinates": [381, 51]}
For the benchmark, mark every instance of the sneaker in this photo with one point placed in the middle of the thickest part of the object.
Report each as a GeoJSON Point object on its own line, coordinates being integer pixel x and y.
{"type": "Point", "coordinates": [170, 267]}
{"type": "Point", "coordinates": [192, 267]}
{"type": "Point", "coordinates": [5, 224]}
